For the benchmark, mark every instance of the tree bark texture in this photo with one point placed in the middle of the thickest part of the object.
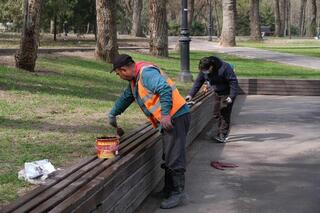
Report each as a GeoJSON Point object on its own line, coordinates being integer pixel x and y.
{"type": "Point", "coordinates": [55, 28]}
{"type": "Point", "coordinates": [282, 9]}
{"type": "Point", "coordinates": [217, 21]}
{"type": "Point", "coordinates": [26, 56]}
{"type": "Point", "coordinates": [289, 19]}
{"type": "Point", "coordinates": [277, 21]}
{"type": "Point", "coordinates": [158, 28]}
{"type": "Point", "coordinates": [228, 35]}
{"type": "Point", "coordinates": [136, 19]}
{"type": "Point", "coordinates": [255, 30]}
{"type": "Point", "coordinates": [311, 28]}
{"type": "Point", "coordinates": [107, 46]}
{"type": "Point", "coordinates": [51, 26]}
{"type": "Point", "coordinates": [284, 19]}
{"type": "Point", "coordinates": [302, 14]}
{"type": "Point", "coordinates": [190, 13]}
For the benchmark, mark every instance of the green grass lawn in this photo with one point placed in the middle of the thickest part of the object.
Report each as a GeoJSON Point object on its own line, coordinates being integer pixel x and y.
{"type": "Point", "coordinates": [57, 112]}
{"type": "Point", "coordinates": [307, 47]}
{"type": "Point", "coordinates": [12, 40]}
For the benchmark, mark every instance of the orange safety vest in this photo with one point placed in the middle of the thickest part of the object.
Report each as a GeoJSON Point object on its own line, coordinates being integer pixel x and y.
{"type": "Point", "coordinates": [151, 100]}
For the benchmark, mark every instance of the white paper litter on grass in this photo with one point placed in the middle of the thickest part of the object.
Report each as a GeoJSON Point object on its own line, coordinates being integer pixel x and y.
{"type": "Point", "coordinates": [36, 172]}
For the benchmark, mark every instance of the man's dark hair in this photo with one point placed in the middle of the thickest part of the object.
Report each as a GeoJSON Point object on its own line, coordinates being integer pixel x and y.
{"type": "Point", "coordinates": [207, 62]}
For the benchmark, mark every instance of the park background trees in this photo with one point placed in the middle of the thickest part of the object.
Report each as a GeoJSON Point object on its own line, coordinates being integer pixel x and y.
{"type": "Point", "coordinates": [157, 20]}
{"type": "Point", "coordinates": [26, 56]}
{"type": "Point", "coordinates": [133, 16]}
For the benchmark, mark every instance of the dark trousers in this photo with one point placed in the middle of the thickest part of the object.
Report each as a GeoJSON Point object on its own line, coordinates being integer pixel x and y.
{"type": "Point", "coordinates": [174, 144]}
{"type": "Point", "coordinates": [222, 113]}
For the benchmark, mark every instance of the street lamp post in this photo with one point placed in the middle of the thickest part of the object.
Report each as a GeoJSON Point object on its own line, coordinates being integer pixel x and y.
{"type": "Point", "coordinates": [210, 21]}
{"type": "Point", "coordinates": [184, 75]}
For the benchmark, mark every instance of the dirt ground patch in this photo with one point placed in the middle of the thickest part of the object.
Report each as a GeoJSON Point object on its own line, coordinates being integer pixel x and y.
{"type": "Point", "coordinates": [8, 61]}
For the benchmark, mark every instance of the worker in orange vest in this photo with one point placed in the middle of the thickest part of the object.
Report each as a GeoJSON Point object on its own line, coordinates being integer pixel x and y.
{"type": "Point", "coordinates": [166, 109]}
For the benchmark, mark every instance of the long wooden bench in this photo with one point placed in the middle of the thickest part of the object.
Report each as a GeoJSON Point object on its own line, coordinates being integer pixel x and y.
{"type": "Point", "coordinates": [122, 183]}
{"type": "Point", "coordinates": [113, 185]}
{"type": "Point", "coordinates": [279, 87]}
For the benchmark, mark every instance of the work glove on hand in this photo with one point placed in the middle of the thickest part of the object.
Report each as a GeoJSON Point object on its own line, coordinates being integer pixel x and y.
{"type": "Point", "coordinates": [166, 122]}
{"type": "Point", "coordinates": [228, 100]}
{"type": "Point", "coordinates": [188, 98]}
{"type": "Point", "coordinates": [205, 88]}
{"type": "Point", "coordinates": [112, 120]}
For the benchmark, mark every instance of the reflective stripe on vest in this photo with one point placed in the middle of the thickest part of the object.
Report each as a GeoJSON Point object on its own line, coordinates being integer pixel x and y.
{"type": "Point", "coordinates": [152, 101]}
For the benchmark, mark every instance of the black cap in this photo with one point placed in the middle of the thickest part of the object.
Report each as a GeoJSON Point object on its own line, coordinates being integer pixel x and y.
{"type": "Point", "coordinates": [121, 60]}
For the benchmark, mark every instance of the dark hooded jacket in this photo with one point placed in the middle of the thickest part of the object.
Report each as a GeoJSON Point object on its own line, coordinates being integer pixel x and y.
{"type": "Point", "coordinates": [223, 80]}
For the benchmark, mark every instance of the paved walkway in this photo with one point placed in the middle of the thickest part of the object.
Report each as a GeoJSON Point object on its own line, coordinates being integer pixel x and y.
{"type": "Point", "coordinates": [275, 140]}
{"type": "Point", "coordinates": [199, 43]}
{"type": "Point", "coordinates": [253, 53]}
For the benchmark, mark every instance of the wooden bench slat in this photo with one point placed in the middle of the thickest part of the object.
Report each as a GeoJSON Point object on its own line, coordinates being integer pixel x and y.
{"type": "Point", "coordinates": [126, 177]}
{"type": "Point", "coordinates": [85, 178]}
{"type": "Point", "coordinates": [147, 183]}
{"type": "Point", "coordinates": [79, 196]}
{"type": "Point", "coordinates": [58, 176]}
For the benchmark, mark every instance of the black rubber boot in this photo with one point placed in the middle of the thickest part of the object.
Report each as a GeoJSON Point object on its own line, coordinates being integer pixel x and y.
{"type": "Point", "coordinates": [167, 188]}
{"type": "Point", "coordinates": [177, 193]}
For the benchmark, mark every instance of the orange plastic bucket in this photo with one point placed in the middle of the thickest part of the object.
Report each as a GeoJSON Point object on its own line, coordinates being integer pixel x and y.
{"type": "Point", "coordinates": [107, 147]}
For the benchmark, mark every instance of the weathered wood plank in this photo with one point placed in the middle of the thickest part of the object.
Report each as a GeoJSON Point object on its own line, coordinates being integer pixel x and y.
{"type": "Point", "coordinates": [85, 178]}
{"type": "Point", "coordinates": [123, 179]}
{"type": "Point", "coordinates": [87, 190]}
{"type": "Point", "coordinates": [60, 175]}
{"type": "Point", "coordinates": [150, 180]}
{"type": "Point", "coordinates": [132, 180]}
{"type": "Point", "coordinates": [64, 192]}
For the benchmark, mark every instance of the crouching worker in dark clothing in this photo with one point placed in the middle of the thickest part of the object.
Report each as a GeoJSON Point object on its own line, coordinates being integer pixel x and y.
{"type": "Point", "coordinates": [220, 77]}
{"type": "Point", "coordinates": [166, 109]}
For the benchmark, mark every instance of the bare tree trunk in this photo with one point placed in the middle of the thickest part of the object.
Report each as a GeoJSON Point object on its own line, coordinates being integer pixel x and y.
{"type": "Point", "coordinates": [172, 11]}
{"type": "Point", "coordinates": [112, 47]}
{"type": "Point", "coordinates": [158, 28]}
{"type": "Point", "coordinates": [136, 19]}
{"type": "Point", "coordinates": [216, 18]}
{"type": "Point", "coordinates": [55, 28]}
{"type": "Point", "coordinates": [102, 33]}
{"type": "Point", "coordinates": [303, 4]}
{"type": "Point", "coordinates": [282, 9]}
{"type": "Point", "coordinates": [190, 13]}
{"type": "Point", "coordinates": [107, 46]}
{"type": "Point", "coordinates": [289, 19]}
{"type": "Point", "coordinates": [277, 22]}
{"type": "Point", "coordinates": [228, 36]}
{"type": "Point", "coordinates": [285, 17]}
{"type": "Point", "coordinates": [255, 30]}
{"type": "Point", "coordinates": [311, 29]}
{"type": "Point", "coordinates": [88, 28]}
{"type": "Point", "coordinates": [26, 56]}
{"type": "Point", "coordinates": [51, 26]}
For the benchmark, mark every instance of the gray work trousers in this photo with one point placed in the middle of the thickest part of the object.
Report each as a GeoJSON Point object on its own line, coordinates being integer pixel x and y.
{"type": "Point", "coordinates": [174, 144]}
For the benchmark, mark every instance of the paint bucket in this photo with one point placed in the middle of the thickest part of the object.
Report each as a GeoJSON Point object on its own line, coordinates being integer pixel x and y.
{"type": "Point", "coordinates": [107, 147]}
